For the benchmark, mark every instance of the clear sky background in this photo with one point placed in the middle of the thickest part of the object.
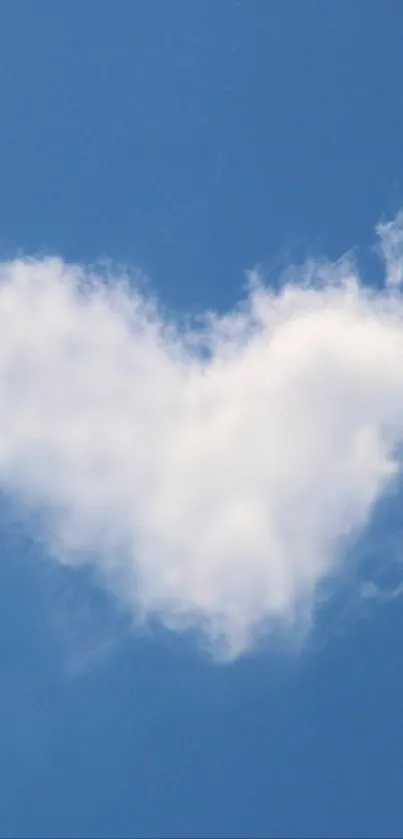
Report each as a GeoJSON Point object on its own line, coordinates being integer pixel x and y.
{"type": "Point", "coordinates": [194, 140]}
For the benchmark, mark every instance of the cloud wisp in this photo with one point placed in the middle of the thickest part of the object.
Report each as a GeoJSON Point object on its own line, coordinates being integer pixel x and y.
{"type": "Point", "coordinates": [213, 474]}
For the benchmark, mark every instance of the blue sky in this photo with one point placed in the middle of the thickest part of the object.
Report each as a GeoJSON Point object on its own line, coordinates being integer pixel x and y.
{"type": "Point", "coordinates": [191, 142]}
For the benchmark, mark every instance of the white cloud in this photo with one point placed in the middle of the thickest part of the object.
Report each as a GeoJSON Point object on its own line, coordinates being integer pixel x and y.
{"type": "Point", "coordinates": [391, 239]}
{"type": "Point", "coordinates": [211, 475]}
